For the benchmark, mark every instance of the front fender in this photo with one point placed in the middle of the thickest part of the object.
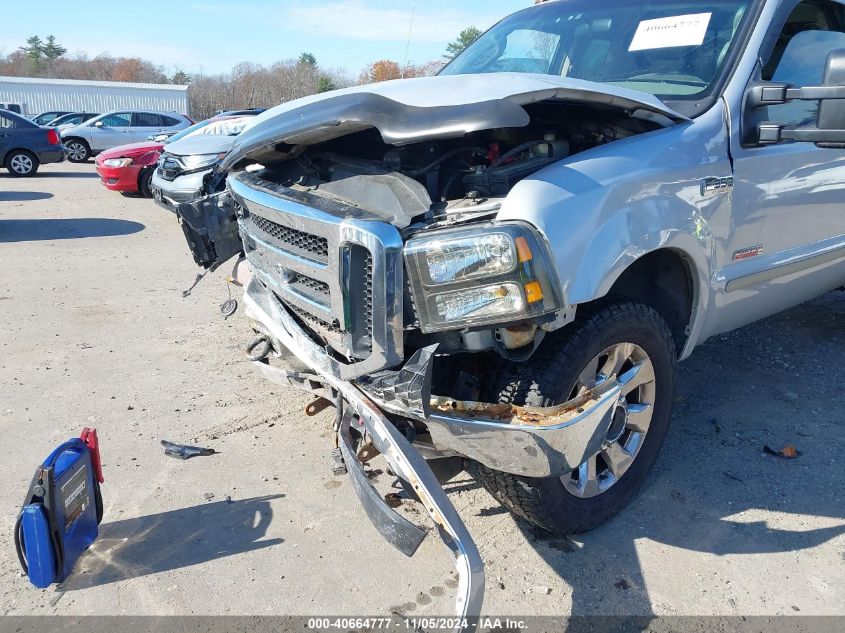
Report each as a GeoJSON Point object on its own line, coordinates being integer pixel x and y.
{"type": "Point", "coordinates": [148, 159]}
{"type": "Point", "coordinates": [604, 209]}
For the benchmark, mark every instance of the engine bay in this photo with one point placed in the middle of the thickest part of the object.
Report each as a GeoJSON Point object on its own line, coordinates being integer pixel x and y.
{"type": "Point", "coordinates": [429, 181]}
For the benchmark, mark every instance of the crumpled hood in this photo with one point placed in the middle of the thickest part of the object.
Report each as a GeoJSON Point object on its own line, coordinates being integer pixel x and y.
{"type": "Point", "coordinates": [201, 144]}
{"type": "Point", "coordinates": [427, 108]}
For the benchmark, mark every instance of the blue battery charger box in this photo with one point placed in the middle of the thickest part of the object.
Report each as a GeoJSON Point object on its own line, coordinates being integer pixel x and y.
{"type": "Point", "coordinates": [62, 511]}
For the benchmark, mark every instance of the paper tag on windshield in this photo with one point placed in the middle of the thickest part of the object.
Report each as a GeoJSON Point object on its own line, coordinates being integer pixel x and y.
{"type": "Point", "coordinates": [681, 30]}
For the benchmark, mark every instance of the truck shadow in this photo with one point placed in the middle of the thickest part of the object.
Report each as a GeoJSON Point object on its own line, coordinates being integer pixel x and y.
{"type": "Point", "coordinates": [131, 548]}
{"type": "Point", "coordinates": [65, 229]}
{"type": "Point", "coordinates": [714, 491]}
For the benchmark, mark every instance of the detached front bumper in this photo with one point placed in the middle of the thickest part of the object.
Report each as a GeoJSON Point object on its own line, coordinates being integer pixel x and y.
{"type": "Point", "coordinates": [533, 442]}
{"type": "Point", "coordinates": [402, 457]}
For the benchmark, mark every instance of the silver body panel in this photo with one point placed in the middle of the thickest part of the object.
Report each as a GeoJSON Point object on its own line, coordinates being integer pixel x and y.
{"type": "Point", "coordinates": [605, 208]}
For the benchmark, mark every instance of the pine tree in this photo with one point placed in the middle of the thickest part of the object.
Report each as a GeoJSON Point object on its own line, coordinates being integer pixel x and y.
{"type": "Point", "coordinates": [308, 58]}
{"type": "Point", "coordinates": [181, 78]}
{"type": "Point", "coordinates": [51, 49]}
{"type": "Point", "coordinates": [34, 51]}
{"type": "Point", "coordinates": [466, 37]}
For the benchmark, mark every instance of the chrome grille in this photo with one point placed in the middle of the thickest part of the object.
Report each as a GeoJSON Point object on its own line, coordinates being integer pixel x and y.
{"type": "Point", "coordinates": [315, 286]}
{"type": "Point", "coordinates": [312, 246]}
{"type": "Point", "coordinates": [341, 277]}
{"type": "Point", "coordinates": [332, 334]}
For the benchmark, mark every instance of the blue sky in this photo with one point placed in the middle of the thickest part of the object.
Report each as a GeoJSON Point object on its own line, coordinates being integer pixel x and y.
{"type": "Point", "coordinates": [214, 35]}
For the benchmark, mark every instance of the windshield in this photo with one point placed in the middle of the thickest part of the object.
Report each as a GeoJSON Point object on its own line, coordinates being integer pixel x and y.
{"type": "Point", "coordinates": [674, 50]}
{"type": "Point", "coordinates": [74, 119]}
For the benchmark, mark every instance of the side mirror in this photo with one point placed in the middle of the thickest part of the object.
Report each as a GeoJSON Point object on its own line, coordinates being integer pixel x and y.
{"type": "Point", "coordinates": [99, 124]}
{"type": "Point", "coordinates": [829, 130]}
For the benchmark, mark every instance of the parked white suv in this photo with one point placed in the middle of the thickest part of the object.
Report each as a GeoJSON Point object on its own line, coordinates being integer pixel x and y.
{"type": "Point", "coordinates": [119, 128]}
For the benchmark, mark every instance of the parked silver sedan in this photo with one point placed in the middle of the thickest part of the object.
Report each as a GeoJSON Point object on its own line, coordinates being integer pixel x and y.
{"type": "Point", "coordinates": [119, 128]}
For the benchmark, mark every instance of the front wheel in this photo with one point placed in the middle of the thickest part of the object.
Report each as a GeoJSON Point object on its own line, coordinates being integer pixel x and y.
{"type": "Point", "coordinates": [145, 183]}
{"type": "Point", "coordinates": [623, 340]}
{"type": "Point", "coordinates": [22, 163]}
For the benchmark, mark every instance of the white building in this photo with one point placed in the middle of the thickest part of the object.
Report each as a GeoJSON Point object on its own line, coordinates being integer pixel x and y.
{"type": "Point", "coordinates": [44, 95]}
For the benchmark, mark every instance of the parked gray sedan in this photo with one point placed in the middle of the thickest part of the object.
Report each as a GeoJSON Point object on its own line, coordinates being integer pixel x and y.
{"type": "Point", "coordinates": [24, 146]}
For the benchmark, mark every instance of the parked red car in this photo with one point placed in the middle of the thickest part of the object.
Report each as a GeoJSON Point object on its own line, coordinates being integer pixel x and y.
{"type": "Point", "coordinates": [129, 168]}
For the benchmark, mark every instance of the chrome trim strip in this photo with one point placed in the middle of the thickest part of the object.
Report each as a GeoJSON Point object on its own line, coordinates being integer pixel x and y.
{"type": "Point", "coordinates": [405, 461]}
{"type": "Point", "coordinates": [785, 269]}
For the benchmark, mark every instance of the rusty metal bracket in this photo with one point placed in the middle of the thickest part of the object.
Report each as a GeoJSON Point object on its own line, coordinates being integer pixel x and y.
{"type": "Point", "coordinates": [317, 406]}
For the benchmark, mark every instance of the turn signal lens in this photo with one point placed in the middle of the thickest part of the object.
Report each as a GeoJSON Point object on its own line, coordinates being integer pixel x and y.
{"type": "Point", "coordinates": [533, 292]}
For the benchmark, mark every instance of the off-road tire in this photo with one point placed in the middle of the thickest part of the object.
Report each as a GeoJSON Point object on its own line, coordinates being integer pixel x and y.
{"type": "Point", "coordinates": [547, 379]}
{"type": "Point", "coordinates": [84, 150]}
{"type": "Point", "coordinates": [18, 157]}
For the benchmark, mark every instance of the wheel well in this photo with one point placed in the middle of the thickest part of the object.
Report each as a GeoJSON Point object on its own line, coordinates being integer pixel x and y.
{"type": "Point", "coordinates": [16, 149]}
{"type": "Point", "coordinates": [661, 280]}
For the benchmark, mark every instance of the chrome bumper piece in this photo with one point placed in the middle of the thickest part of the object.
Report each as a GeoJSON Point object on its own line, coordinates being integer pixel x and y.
{"type": "Point", "coordinates": [403, 458]}
{"type": "Point", "coordinates": [550, 443]}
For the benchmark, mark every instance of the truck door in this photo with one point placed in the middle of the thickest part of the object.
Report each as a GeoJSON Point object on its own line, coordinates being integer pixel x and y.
{"type": "Point", "coordinates": [787, 242]}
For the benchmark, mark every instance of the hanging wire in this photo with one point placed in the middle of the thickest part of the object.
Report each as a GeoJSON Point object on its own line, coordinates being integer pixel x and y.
{"type": "Point", "coordinates": [410, 33]}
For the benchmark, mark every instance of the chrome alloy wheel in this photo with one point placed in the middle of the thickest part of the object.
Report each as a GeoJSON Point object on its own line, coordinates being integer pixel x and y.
{"type": "Point", "coordinates": [630, 421]}
{"type": "Point", "coordinates": [21, 164]}
{"type": "Point", "coordinates": [76, 151]}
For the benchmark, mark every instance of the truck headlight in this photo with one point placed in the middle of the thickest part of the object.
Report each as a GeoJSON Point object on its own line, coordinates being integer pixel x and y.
{"type": "Point", "coordinates": [486, 274]}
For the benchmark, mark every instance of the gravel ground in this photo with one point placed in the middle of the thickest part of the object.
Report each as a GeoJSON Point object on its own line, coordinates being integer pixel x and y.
{"type": "Point", "coordinates": [95, 332]}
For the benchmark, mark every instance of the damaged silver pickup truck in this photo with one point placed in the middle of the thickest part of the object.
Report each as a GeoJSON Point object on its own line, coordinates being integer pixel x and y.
{"type": "Point", "coordinates": [499, 267]}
